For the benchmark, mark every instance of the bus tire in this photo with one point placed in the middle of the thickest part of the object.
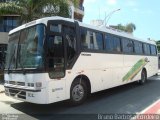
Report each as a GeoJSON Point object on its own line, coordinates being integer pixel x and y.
{"type": "Point", "coordinates": [78, 92]}
{"type": "Point", "coordinates": [143, 77]}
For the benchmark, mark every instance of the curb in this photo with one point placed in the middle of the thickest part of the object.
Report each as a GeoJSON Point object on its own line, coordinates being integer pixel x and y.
{"type": "Point", "coordinates": [149, 107]}
{"type": "Point", "coordinates": [151, 111]}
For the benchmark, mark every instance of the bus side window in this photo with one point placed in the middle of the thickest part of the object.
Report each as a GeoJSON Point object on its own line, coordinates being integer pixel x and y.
{"type": "Point", "coordinates": [113, 43]}
{"type": "Point", "coordinates": [91, 40]}
{"type": "Point", "coordinates": [138, 47]}
{"type": "Point", "coordinates": [128, 46]}
{"type": "Point", "coordinates": [99, 41]}
{"type": "Point", "coordinates": [153, 50]}
{"type": "Point", "coordinates": [146, 49]}
{"type": "Point", "coordinates": [84, 43]}
{"type": "Point", "coordinates": [69, 33]}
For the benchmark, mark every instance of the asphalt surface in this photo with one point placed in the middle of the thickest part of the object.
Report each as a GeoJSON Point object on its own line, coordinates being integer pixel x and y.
{"type": "Point", "coordinates": [126, 99]}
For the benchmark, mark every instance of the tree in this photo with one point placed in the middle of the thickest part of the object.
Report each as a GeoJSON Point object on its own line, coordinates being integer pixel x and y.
{"type": "Point", "coordinates": [130, 28]}
{"type": "Point", "coordinates": [33, 9]}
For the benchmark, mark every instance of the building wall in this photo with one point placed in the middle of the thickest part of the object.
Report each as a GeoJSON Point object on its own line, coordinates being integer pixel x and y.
{"type": "Point", "coordinates": [3, 38]}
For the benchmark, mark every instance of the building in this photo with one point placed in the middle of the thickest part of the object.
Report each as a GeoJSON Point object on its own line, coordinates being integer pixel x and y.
{"type": "Point", "coordinates": [97, 22]}
{"type": "Point", "coordinates": [9, 22]}
{"type": "Point", "coordinates": [79, 12]}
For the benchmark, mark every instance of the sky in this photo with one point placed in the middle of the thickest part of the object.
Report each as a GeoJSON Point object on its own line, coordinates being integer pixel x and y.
{"type": "Point", "coordinates": [145, 14]}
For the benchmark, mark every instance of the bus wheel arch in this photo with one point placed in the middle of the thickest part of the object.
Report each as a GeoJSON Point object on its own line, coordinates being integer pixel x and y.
{"type": "Point", "coordinates": [83, 83]}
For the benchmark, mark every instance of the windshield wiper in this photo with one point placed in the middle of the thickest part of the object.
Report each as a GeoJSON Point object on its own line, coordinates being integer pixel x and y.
{"type": "Point", "coordinates": [11, 60]}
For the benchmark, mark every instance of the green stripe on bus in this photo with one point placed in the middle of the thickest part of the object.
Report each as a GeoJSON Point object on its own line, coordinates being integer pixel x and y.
{"type": "Point", "coordinates": [135, 69]}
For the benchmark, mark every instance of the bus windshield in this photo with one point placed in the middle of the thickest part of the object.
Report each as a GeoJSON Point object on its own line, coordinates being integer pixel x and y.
{"type": "Point", "coordinates": [25, 48]}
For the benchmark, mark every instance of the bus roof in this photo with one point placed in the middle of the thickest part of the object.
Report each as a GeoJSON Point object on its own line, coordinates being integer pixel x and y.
{"type": "Point", "coordinates": [100, 28]}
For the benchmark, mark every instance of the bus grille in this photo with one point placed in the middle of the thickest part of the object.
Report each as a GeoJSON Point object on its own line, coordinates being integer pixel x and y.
{"type": "Point", "coordinates": [17, 83]}
{"type": "Point", "coordinates": [17, 93]}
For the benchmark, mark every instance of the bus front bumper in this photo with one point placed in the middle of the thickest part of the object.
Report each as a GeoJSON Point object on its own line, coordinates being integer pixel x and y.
{"type": "Point", "coordinates": [27, 94]}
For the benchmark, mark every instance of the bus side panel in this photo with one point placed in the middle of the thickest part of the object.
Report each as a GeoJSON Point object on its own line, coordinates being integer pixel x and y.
{"type": "Point", "coordinates": [152, 66]}
{"type": "Point", "coordinates": [92, 66]}
{"type": "Point", "coordinates": [100, 70]}
{"type": "Point", "coordinates": [129, 62]}
{"type": "Point", "coordinates": [114, 66]}
{"type": "Point", "coordinates": [56, 90]}
{"type": "Point", "coordinates": [132, 60]}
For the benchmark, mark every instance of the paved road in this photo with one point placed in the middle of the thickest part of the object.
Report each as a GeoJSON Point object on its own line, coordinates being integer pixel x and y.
{"type": "Point", "coordinates": [127, 99]}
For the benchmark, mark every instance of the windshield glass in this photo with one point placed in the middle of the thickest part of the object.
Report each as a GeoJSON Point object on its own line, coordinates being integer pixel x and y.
{"type": "Point", "coordinates": [11, 51]}
{"type": "Point", "coordinates": [25, 49]}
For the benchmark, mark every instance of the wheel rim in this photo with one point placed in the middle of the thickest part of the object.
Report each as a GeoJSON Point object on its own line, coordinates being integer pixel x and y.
{"type": "Point", "coordinates": [143, 77]}
{"type": "Point", "coordinates": [78, 92]}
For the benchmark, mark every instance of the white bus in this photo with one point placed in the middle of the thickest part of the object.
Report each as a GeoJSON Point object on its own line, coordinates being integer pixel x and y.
{"type": "Point", "coordinates": [54, 59]}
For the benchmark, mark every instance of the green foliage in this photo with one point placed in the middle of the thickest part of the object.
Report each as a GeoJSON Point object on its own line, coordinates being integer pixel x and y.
{"type": "Point", "coordinates": [127, 28]}
{"type": "Point", "coordinates": [130, 27]}
{"type": "Point", "coordinates": [33, 9]}
{"type": "Point", "coordinates": [9, 8]}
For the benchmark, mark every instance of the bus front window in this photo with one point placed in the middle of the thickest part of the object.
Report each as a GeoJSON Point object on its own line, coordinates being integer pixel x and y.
{"type": "Point", "coordinates": [31, 47]}
{"type": "Point", "coordinates": [29, 51]}
{"type": "Point", "coordinates": [11, 51]}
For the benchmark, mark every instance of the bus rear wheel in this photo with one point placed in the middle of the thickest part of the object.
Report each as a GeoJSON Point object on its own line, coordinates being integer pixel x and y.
{"type": "Point", "coordinates": [143, 77]}
{"type": "Point", "coordinates": [78, 93]}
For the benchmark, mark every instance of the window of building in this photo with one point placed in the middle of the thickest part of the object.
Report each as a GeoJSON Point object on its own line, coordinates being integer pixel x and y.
{"type": "Point", "coordinates": [146, 49]}
{"type": "Point", "coordinates": [153, 50]}
{"type": "Point", "coordinates": [138, 47]}
{"type": "Point", "coordinates": [113, 43]}
{"type": "Point", "coordinates": [128, 46]}
{"type": "Point", "coordinates": [91, 40]}
{"type": "Point", "coordinates": [8, 23]}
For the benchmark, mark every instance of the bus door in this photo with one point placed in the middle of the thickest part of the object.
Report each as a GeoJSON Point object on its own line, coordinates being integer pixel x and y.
{"type": "Point", "coordinates": [69, 35]}
{"type": "Point", "coordinates": [55, 60]}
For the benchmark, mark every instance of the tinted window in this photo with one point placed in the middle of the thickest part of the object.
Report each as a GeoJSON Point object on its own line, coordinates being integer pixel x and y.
{"type": "Point", "coordinates": [8, 23]}
{"type": "Point", "coordinates": [84, 41]}
{"type": "Point", "coordinates": [70, 38]}
{"type": "Point", "coordinates": [98, 43]}
{"type": "Point", "coordinates": [55, 28]}
{"type": "Point", "coordinates": [91, 40]}
{"type": "Point", "coordinates": [113, 43]}
{"type": "Point", "coordinates": [146, 49]}
{"type": "Point", "coordinates": [127, 46]}
{"type": "Point", "coordinates": [138, 47]}
{"type": "Point", "coordinates": [153, 50]}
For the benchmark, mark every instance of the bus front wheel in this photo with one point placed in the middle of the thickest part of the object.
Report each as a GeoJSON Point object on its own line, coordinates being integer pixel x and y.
{"type": "Point", "coordinates": [78, 93]}
{"type": "Point", "coordinates": [143, 77]}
